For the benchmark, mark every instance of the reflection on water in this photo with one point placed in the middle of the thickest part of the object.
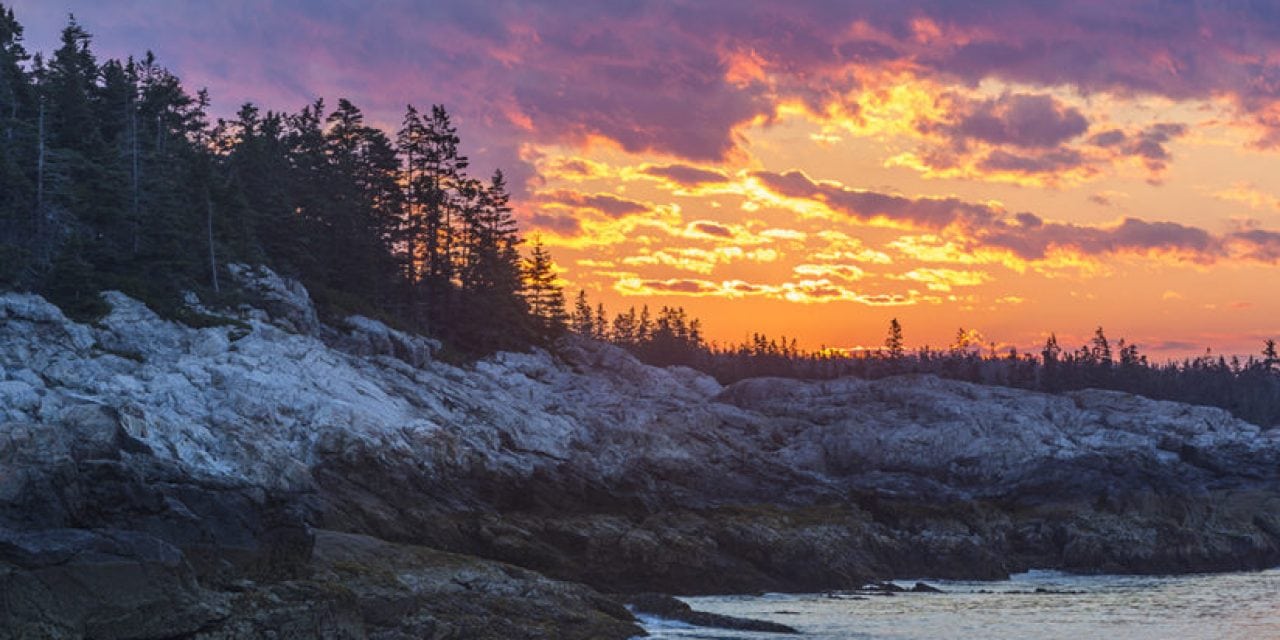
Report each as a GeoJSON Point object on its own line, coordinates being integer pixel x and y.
{"type": "Point", "coordinates": [1238, 606]}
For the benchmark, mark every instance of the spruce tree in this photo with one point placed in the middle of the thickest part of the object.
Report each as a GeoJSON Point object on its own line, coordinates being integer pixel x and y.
{"type": "Point", "coordinates": [410, 143]}
{"type": "Point", "coordinates": [581, 320]}
{"type": "Point", "coordinates": [361, 219]}
{"type": "Point", "coordinates": [491, 310]}
{"type": "Point", "coordinates": [545, 299]}
{"type": "Point", "coordinates": [644, 327]}
{"type": "Point", "coordinates": [600, 330]}
{"type": "Point", "coordinates": [624, 328]}
{"type": "Point", "coordinates": [443, 168]}
{"type": "Point", "coordinates": [893, 343]}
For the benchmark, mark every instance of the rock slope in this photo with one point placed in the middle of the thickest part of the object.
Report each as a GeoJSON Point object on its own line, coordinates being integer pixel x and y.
{"type": "Point", "coordinates": [213, 468]}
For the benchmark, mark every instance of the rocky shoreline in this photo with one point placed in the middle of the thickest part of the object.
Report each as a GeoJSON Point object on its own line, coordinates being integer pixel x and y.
{"type": "Point", "coordinates": [278, 473]}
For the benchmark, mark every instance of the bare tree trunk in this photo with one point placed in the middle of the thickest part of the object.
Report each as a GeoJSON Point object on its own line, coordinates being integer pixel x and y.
{"type": "Point", "coordinates": [133, 144]}
{"type": "Point", "coordinates": [213, 261]}
{"type": "Point", "coordinates": [40, 166]}
{"type": "Point", "coordinates": [411, 236]}
{"type": "Point", "coordinates": [13, 115]}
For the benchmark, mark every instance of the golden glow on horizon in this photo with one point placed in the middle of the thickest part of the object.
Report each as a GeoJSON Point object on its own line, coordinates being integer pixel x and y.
{"type": "Point", "coordinates": [746, 255]}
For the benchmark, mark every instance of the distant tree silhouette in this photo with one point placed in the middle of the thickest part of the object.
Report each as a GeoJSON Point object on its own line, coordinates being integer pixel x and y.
{"type": "Point", "coordinates": [1249, 389]}
{"type": "Point", "coordinates": [542, 293]}
{"type": "Point", "coordinates": [582, 320]}
{"type": "Point", "coordinates": [600, 330]}
{"type": "Point", "coordinates": [893, 343]}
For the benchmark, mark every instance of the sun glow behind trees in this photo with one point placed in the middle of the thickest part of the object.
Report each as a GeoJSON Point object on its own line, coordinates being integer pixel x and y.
{"type": "Point", "coordinates": [1249, 388]}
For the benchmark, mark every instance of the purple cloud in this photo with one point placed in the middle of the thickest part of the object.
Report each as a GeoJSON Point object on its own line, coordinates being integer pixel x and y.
{"type": "Point", "coordinates": [1034, 135]}
{"type": "Point", "coordinates": [928, 213]}
{"type": "Point", "coordinates": [660, 77]}
{"type": "Point", "coordinates": [1131, 235]}
{"type": "Point", "coordinates": [712, 229]}
{"type": "Point", "coordinates": [680, 286]}
{"type": "Point", "coordinates": [1025, 234]}
{"type": "Point", "coordinates": [686, 175]}
{"type": "Point", "coordinates": [1057, 160]}
{"type": "Point", "coordinates": [1148, 143]}
{"type": "Point", "coordinates": [1258, 244]}
{"type": "Point", "coordinates": [1109, 138]}
{"type": "Point", "coordinates": [564, 225]}
{"type": "Point", "coordinates": [604, 203]}
{"type": "Point", "coordinates": [1016, 119]}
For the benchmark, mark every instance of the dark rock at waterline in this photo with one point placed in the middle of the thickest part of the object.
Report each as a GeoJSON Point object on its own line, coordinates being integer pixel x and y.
{"type": "Point", "coordinates": [665, 606]}
{"type": "Point", "coordinates": [769, 547]}
{"type": "Point", "coordinates": [71, 583]}
{"type": "Point", "coordinates": [81, 474]}
{"type": "Point", "coordinates": [360, 587]}
{"type": "Point", "coordinates": [100, 539]}
{"type": "Point", "coordinates": [884, 588]}
{"type": "Point", "coordinates": [842, 596]}
{"type": "Point", "coordinates": [68, 584]}
{"type": "Point", "coordinates": [1038, 591]}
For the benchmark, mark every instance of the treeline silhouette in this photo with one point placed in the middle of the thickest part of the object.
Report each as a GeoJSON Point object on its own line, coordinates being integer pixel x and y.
{"type": "Point", "coordinates": [112, 176]}
{"type": "Point", "coordinates": [1249, 389]}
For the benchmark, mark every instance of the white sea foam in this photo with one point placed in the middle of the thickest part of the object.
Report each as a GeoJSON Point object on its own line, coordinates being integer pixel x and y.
{"type": "Point", "coordinates": [1237, 606]}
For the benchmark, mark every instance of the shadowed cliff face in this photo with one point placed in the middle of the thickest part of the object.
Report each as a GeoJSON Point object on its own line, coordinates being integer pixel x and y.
{"type": "Point", "coordinates": [227, 445]}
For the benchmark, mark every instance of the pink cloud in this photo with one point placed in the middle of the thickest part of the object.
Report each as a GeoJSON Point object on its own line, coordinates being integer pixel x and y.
{"type": "Point", "coordinates": [657, 77]}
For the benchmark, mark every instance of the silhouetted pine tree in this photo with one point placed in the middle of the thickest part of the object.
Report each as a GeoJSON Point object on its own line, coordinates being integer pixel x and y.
{"type": "Point", "coordinates": [410, 142]}
{"type": "Point", "coordinates": [581, 320]}
{"type": "Point", "coordinates": [893, 343]}
{"type": "Point", "coordinates": [545, 299]}
{"type": "Point", "coordinates": [442, 171]}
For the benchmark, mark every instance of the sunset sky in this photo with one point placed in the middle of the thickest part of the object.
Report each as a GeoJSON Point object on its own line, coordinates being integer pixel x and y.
{"type": "Point", "coordinates": [814, 169]}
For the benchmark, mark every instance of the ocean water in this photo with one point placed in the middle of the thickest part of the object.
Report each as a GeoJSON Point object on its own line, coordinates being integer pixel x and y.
{"type": "Point", "coordinates": [1235, 606]}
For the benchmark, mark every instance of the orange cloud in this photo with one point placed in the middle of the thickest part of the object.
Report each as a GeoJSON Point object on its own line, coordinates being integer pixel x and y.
{"type": "Point", "coordinates": [697, 260]}
{"type": "Point", "coordinates": [573, 169]}
{"type": "Point", "coordinates": [683, 175]}
{"type": "Point", "coordinates": [846, 272]}
{"type": "Point", "coordinates": [602, 203]}
{"type": "Point", "coordinates": [944, 279]}
{"type": "Point", "coordinates": [808, 291]}
{"type": "Point", "coordinates": [1248, 194]}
